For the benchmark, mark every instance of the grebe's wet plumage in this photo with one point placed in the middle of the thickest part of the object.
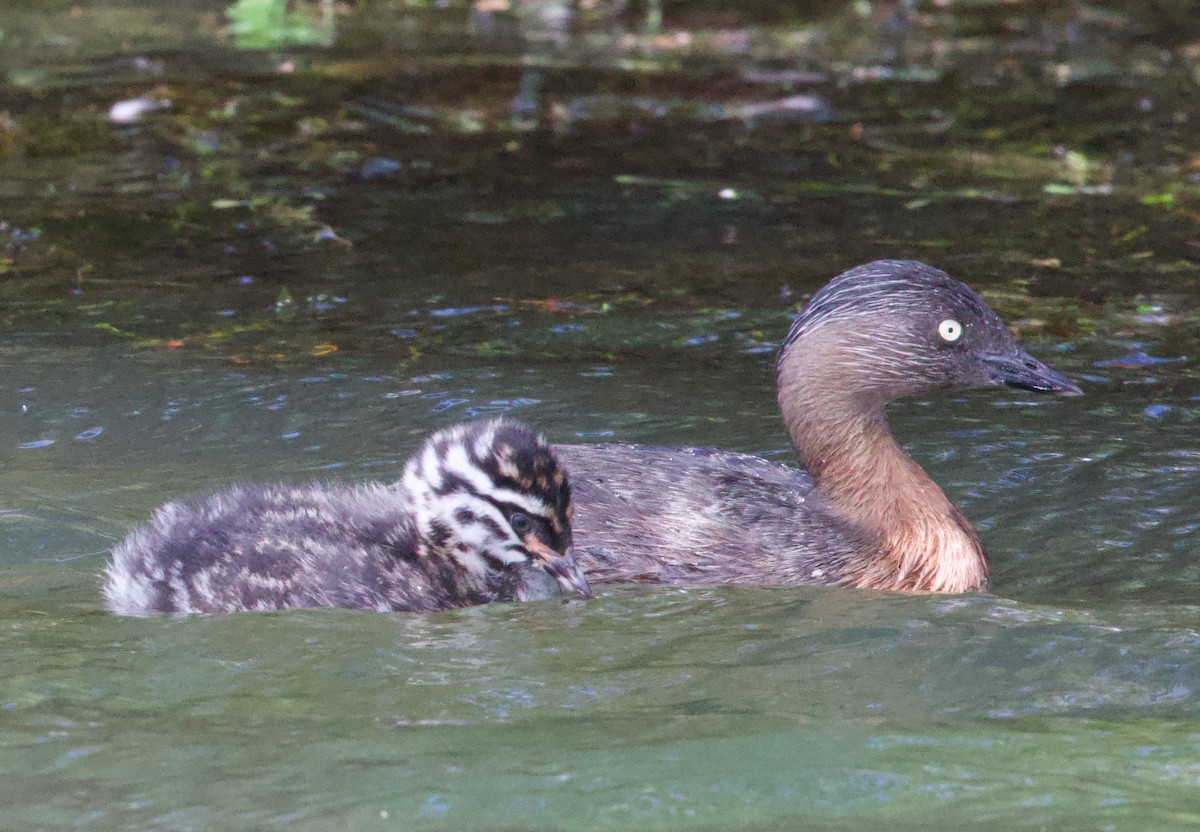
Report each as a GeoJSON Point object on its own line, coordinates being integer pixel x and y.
{"type": "Point", "coordinates": [862, 512]}
{"type": "Point", "coordinates": [481, 513]}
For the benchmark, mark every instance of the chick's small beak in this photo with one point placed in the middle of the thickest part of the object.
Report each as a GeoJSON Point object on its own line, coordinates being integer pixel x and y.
{"type": "Point", "coordinates": [1022, 370]}
{"type": "Point", "coordinates": [562, 567]}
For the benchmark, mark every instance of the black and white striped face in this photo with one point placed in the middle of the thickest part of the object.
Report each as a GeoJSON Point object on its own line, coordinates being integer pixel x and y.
{"type": "Point", "coordinates": [493, 496]}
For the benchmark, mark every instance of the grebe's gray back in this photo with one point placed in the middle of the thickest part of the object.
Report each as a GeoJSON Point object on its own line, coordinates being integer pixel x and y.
{"type": "Point", "coordinates": [481, 513]}
{"type": "Point", "coordinates": [861, 512]}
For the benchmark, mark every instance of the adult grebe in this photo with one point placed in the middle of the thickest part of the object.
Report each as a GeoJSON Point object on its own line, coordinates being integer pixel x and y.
{"type": "Point", "coordinates": [862, 513]}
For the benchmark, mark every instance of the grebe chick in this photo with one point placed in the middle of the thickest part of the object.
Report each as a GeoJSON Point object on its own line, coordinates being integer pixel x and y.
{"type": "Point", "coordinates": [862, 513]}
{"type": "Point", "coordinates": [481, 513]}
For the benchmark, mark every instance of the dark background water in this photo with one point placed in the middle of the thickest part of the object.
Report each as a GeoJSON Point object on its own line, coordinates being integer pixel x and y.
{"type": "Point", "coordinates": [327, 235]}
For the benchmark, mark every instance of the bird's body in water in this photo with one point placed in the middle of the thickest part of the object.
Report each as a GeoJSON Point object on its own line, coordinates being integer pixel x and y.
{"type": "Point", "coordinates": [860, 512]}
{"type": "Point", "coordinates": [481, 513]}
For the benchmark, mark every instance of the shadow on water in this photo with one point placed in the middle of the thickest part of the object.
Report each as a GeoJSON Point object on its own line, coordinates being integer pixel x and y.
{"type": "Point", "coordinates": [247, 242]}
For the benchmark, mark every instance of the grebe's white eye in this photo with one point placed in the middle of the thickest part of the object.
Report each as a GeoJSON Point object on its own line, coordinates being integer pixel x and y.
{"type": "Point", "coordinates": [950, 330]}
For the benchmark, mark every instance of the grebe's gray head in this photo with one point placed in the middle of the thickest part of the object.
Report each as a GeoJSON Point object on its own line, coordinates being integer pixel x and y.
{"type": "Point", "coordinates": [493, 496]}
{"type": "Point", "coordinates": [899, 327]}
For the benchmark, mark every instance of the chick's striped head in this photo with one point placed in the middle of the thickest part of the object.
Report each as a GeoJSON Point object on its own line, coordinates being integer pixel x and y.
{"type": "Point", "coordinates": [493, 496]}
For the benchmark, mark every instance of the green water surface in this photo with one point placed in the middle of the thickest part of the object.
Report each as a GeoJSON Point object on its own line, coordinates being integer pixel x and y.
{"type": "Point", "coordinates": [336, 229]}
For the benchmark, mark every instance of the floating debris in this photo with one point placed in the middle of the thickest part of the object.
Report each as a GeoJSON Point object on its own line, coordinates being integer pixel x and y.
{"type": "Point", "coordinates": [132, 109]}
{"type": "Point", "coordinates": [377, 169]}
{"type": "Point", "coordinates": [1136, 360]}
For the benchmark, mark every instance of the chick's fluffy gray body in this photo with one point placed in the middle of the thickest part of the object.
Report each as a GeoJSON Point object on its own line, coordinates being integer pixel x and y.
{"type": "Point", "coordinates": [438, 539]}
{"type": "Point", "coordinates": [266, 547]}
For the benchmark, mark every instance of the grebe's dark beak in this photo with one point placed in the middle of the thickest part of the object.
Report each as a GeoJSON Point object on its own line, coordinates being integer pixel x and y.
{"type": "Point", "coordinates": [561, 567]}
{"type": "Point", "coordinates": [1022, 370]}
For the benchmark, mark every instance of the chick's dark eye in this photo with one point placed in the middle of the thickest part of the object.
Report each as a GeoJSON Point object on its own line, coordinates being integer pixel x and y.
{"type": "Point", "coordinates": [520, 522]}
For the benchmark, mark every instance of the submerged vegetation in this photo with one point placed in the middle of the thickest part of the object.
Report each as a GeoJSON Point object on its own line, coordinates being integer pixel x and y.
{"type": "Point", "coordinates": [1049, 152]}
